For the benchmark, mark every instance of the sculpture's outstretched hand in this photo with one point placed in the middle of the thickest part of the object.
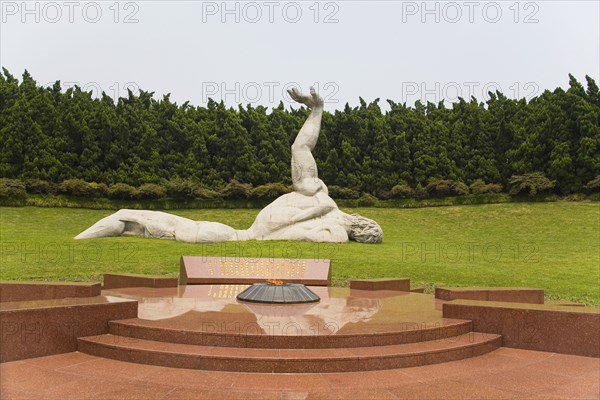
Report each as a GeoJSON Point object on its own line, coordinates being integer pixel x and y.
{"type": "Point", "coordinates": [311, 100]}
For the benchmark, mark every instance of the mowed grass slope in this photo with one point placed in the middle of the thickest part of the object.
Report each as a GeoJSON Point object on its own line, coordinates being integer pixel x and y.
{"type": "Point", "coordinates": [555, 246]}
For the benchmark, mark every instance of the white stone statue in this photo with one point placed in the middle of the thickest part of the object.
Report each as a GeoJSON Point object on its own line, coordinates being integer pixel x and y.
{"type": "Point", "coordinates": [306, 214]}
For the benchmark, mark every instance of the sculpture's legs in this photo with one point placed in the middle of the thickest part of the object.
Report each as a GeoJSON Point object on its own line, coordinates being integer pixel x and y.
{"type": "Point", "coordinates": [305, 176]}
{"type": "Point", "coordinates": [108, 226]}
{"type": "Point", "coordinates": [304, 165]}
{"type": "Point", "coordinates": [160, 225]}
{"type": "Point", "coordinates": [137, 223]}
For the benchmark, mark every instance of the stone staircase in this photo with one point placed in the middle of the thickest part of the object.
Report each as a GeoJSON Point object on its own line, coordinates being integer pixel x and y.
{"type": "Point", "coordinates": [141, 341]}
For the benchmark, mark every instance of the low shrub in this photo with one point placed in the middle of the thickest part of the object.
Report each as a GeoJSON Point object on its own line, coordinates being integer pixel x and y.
{"type": "Point", "coordinates": [532, 184]}
{"type": "Point", "coordinates": [575, 197]}
{"type": "Point", "coordinates": [382, 194]}
{"type": "Point", "coordinates": [236, 190]}
{"type": "Point", "coordinates": [12, 189]}
{"type": "Point", "coordinates": [100, 189]}
{"type": "Point", "coordinates": [494, 188]}
{"type": "Point", "coordinates": [77, 187]}
{"type": "Point", "coordinates": [338, 192]}
{"type": "Point", "coordinates": [421, 192]}
{"type": "Point", "coordinates": [122, 191]}
{"type": "Point", "coordinates": [593, 186]}
{"type": "Point", "coordinates": [402, 191]}
{"type": "Point", "coordinates": [459, 188]}
{"type": "Point", "coordinates": [39, 186]}
{"type": "Point", "coordinates": [205, 193]}
{"type": "Point", "coordinates": [480, 187]}
{"type": "Point", "coordinates": [446, 187]}
{"type": "Point", "coordinates": [151, 191]}
{"type": "Point", "coordinates": [366, 200]}
{"type": "Point", "coordinates": [269, 191]}
{"type": "Point", "coordinates": [438, 188]}
{"type": "Point", "coordinates": [178, 188]}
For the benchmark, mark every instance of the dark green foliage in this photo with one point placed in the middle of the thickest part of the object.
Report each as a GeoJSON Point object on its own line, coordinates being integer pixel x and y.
{"type": "Point", "coordinates": [269, 191]}
{"type": "Point", "coordinates": [55, 135]}
{"type": "Point", "coordinates": [122, 191]}
{"type": "Point", "coordinates": [532, 184]}
{"type": "Point", "coordinates": [12, 189]}
{"type": "Point", "coordinates": [151, 191]}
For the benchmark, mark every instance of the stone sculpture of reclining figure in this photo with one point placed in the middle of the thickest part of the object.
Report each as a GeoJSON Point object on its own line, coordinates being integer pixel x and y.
{"type": "Point", "coordinates": [306, 214]}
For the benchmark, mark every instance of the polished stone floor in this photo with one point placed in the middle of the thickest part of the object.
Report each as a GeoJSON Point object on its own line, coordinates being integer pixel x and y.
{"type": "Point", "coordinates": [340, 311]}
{"type": "Point", "coordinates": [502, 374]}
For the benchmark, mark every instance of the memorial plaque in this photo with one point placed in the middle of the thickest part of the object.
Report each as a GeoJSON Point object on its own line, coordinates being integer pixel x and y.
{"type": "Point", "coordinates": [207, 270]}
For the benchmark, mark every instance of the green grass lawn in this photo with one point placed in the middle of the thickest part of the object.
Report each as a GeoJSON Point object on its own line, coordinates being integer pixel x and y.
{"type": "Point", "coordinates": [555, 246]}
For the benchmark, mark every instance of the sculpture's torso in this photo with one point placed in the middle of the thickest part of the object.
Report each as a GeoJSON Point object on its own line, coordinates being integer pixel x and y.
{"type": "Point", "coordinates": [276, 221]}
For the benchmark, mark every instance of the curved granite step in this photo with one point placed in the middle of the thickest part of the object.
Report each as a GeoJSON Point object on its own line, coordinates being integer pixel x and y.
{"type": "Point", "coordinates": [402, 333]}
{"type": "Point", "coordinates": [289, 360]}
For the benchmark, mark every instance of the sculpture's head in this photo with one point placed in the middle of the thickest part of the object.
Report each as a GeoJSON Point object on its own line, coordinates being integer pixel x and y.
{"type": "Point", "coordinates": [364, 230]}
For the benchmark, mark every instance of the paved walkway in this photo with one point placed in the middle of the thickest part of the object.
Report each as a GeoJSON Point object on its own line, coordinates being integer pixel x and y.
{"type": "Point", "coordinates": [503, 374]}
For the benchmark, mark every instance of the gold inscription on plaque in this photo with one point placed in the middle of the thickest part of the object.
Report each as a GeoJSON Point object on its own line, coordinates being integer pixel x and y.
{"type": "Point", "coordinates": [259, 268]}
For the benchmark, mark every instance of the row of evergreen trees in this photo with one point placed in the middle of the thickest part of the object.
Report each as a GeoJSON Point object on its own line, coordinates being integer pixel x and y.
{"type": "Point", "coordinates": [55, 135]}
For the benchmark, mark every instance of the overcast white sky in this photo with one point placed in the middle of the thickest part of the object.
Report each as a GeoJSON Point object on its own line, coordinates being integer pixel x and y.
{"type": "Point", "coordinates": [398, 50]}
